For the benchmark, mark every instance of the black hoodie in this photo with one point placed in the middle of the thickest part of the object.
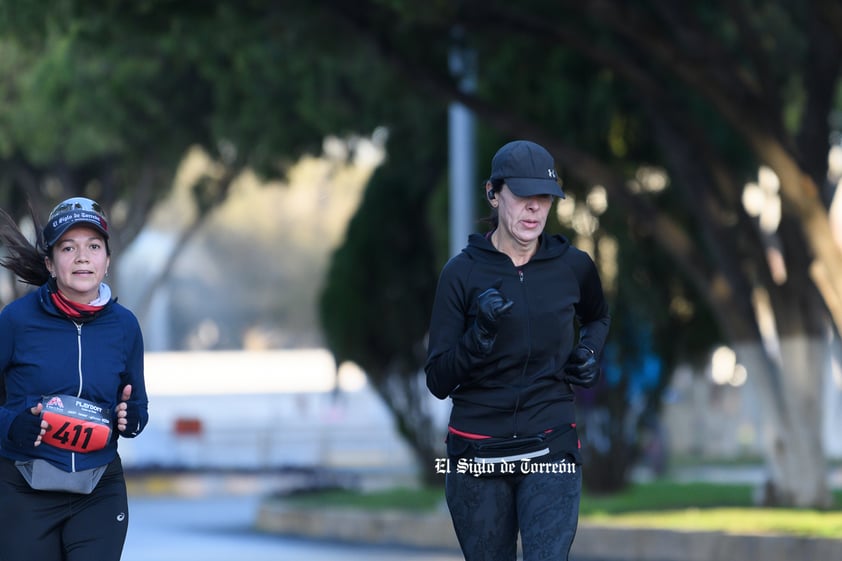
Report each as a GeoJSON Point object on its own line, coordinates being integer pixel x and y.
{"type": "Point", "coordinates": [517, 388]}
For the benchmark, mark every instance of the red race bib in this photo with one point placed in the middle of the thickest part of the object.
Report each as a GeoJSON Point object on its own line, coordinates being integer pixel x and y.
{"type": "Point", "coordinates": [76, 424]}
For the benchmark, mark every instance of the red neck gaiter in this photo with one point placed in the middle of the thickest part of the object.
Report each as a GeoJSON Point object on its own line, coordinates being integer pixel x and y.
{"type": "Point", "coordinates": [73, 310]}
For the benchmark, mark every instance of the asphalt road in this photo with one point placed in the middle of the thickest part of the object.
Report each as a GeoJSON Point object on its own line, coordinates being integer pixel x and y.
{"type": "Point", "coordinates": [220, 529]}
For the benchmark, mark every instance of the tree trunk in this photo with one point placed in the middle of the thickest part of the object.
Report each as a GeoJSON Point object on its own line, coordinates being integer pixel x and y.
{"type": "Point", "coordinates": [407, 397]}
{"type": "Point", "coordinates": [790, 391]}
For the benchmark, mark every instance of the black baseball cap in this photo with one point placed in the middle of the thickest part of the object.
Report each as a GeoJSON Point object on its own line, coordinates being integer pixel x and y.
{"type": "Point", "coordinates": [73, 212]}
{"type": "Point", "coordinates": [527, 168]}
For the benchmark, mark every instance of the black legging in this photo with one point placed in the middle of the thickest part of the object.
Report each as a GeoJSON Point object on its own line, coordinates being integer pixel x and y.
{"type": "Point", "coordinates": [62, 526]}
{"type": "Point", "coordinates": [488, 512]}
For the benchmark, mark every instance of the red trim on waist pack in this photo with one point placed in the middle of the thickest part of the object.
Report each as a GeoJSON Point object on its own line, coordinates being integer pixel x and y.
{"type": "Point", "coordinates": [474, 436]}
{"type": "Point", "coordinates": [464, 434]}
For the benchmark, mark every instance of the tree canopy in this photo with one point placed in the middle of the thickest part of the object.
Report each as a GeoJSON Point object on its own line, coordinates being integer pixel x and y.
{"type": "Point", "coordinates": [670, 108]}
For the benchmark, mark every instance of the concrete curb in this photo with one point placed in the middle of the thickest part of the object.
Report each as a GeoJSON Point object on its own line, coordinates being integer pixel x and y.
{"type": "Point", "coordinates": [388, 527]}
{"type": "Point", "coordinates": [434, 530]}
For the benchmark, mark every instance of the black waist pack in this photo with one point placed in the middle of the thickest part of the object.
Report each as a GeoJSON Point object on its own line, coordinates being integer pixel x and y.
{"type": "Point", "coordinates": [551, 445]}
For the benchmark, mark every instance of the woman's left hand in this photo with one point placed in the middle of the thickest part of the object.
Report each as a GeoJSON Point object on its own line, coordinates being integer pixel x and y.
{"type": "Point", "coordinates": [123, 409]}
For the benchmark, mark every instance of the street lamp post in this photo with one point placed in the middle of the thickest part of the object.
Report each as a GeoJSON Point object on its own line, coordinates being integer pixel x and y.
{"type": "Point", "coordinates": [462, 151]}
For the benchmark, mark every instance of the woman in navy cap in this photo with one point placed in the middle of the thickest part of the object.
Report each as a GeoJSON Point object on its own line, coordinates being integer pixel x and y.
{"type": "Point", "coordinates": [71, 367]}
{"type": "Point", "coordinates": [519, 318]}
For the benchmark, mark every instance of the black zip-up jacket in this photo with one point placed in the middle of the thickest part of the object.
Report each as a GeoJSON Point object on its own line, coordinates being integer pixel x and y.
{"type": "Point", "coordinates": [517, 388]}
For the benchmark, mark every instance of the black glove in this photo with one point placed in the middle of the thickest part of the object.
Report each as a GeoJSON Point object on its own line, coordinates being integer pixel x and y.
{"type": "Point", "coordinates": [582, 368]}
{"type": "Point", "coordinates": [491, 306]}
{"type": "Point", "coordinates": [132, 419]}
{"type": "Point", "coordinates": [25, 428]}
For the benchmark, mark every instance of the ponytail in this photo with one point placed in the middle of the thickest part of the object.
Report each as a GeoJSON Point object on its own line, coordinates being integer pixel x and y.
{"type": "Point", "coordinates": [23, 258]}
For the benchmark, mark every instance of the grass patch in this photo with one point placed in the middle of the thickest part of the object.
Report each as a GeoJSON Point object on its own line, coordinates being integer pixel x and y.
{"type": "Point", "coordinates": [665, 495]}
{"type": "Point", "coordinates": [663, 504]}
{"type": "Point", "coordinates": [706, 507]}
{"type": "Point", "coordinates": [757, 521]}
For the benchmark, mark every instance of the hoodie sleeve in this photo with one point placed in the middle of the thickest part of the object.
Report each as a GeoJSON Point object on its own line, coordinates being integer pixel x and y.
{"type": "Point", "coordinates": [452, 351]}
{"type": "Point", "coordinates": [134, 375]}
{"type": "Point", "coordinates": [7, 338]}
{"type": "Point", "coordinates": [592, 309]}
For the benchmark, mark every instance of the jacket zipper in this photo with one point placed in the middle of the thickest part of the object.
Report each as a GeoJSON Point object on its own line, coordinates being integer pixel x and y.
{"type": "Point", "coordinates": [79, 368]}
{"type": "Point", "coordinates": [528, 355]}
{"type": "Point", "coordinates": [79, 355]}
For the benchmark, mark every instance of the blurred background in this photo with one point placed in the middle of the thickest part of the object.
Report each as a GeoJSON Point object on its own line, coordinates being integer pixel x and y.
{"type": "Point", "coordinates": [285, 179]}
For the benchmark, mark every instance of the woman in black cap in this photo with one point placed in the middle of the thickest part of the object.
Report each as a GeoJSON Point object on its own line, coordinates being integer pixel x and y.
{"type": "Point", "coordinates": [71, 366]}
{"type": "Point", "coordinates": [519, 318]}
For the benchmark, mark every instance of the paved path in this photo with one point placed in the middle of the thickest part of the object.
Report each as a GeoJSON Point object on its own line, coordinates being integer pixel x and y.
{"type": "Point", "coordinates": [220, 528]}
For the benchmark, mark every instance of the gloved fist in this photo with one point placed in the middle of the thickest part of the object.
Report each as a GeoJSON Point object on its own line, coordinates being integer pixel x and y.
{"type": "Point", "coordinates": [582, 368]}
{"type": "Point", "coordinates": [491, 306]}
{"type": "Point", "coordinates": [28, 428]}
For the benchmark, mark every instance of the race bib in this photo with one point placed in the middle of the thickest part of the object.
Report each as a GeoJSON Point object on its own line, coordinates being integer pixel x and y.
{"type": "Point", "coordinates": [76, 424]}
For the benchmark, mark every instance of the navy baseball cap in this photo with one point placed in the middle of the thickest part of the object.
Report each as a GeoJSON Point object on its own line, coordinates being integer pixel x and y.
{"type": "Point", "coordinates": [527, 168]}
{"type": "Point", "coordinates": [73, 212]}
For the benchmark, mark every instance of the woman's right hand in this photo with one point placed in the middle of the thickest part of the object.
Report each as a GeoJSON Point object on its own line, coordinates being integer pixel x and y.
{"type": "Point", "coordinates": [491, 306]}
{"type": "Point", "coordinates": [29, 427]}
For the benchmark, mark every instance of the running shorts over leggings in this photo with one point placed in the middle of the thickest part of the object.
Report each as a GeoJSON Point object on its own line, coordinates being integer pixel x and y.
{"type": "Point", "coordinates": [59, 526]}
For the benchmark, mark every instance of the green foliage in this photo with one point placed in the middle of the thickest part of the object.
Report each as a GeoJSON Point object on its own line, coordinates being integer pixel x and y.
{"type": "Point", "coordinates": [63, 105]}
{"type": "Point", "coordinates": [378, 295]}
{"type": "Point", "coordinates": [145, 80]}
